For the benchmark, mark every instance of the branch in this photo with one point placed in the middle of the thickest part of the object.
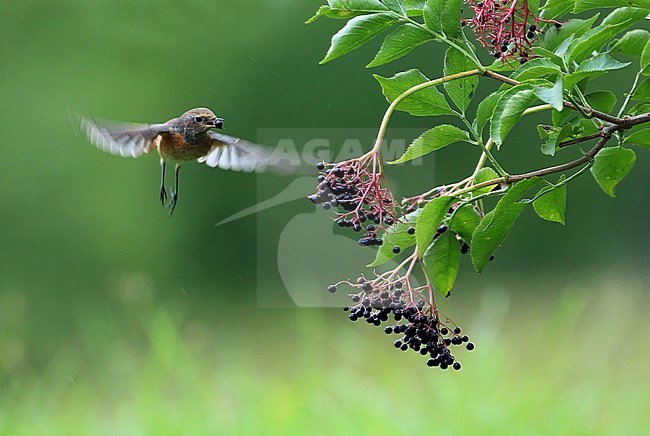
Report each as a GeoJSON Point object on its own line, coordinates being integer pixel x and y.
{"type": "Point", "coordinates": [579, 140]}
{"type": "Point", "coordinates": [605, 135]}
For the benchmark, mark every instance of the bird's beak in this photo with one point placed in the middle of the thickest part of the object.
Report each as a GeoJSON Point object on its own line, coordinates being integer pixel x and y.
{"type": "Point", "coordinates": [217, 123]}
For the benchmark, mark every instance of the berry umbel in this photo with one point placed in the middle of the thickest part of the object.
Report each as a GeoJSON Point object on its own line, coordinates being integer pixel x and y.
{"type": "Point", "coordinates": [507, 28]}
{"type": "Point", "coordinates": [410, 314]}
{"type": "Point", "coordinates": [359, 194]}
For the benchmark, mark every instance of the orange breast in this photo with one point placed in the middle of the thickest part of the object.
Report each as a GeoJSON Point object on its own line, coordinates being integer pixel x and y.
{"type": "Point", "coordinates": [172, 147]}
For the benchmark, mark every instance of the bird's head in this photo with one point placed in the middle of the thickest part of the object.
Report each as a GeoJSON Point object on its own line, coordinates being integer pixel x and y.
{"type": "Point", "coordinates": [201, 120]}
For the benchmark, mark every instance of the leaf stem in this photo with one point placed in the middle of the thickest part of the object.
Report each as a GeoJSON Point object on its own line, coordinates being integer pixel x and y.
{"type": "Point", "coordinates": [444, 39]}
{"type": "Point", "coordinates": [560, 183]}
{"type": "Point", "coordinates": [629, 94]}
{"type": "Point", "coordinates": [486, 150]}
{"type": "Point", "coordinates": [481, 161]}
{"type": "Point", "coordinates": [407, 93]}
{"type": "Point", "coordinates": [535, 109]}
{"type": "Point", "coordinates": [490, 142]}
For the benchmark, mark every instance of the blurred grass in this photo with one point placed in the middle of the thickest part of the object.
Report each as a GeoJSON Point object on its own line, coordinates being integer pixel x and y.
{"type": "Point", "coordinates": [573, 362]}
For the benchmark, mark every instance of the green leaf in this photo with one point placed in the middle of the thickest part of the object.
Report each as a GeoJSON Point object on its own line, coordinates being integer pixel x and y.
{"type": "Point", "coordinates": [547, 54]}
{"type": "Point", "coordinates": [485, 110]}
{"type": "Point", "coordinates": [560, 117]}
{"type": "Point", "coordinates": [405, 7]}
{"type": "Point", "coordinates": [429, 220]}
{"type": "Point", "coordinates": [536, 68]}
{"type": "Point", "coordinates": [553, 37]}
{"type": "Point", "coordinates": [489, 234]}
{"type": "Point", "coordinates": [645, 59]}
{"type": "Point", "coordinates": [342, 9]}
{"type": "Point", "coordinates": [464, 222]}
{"type": "Point", "coordinates": [551, 203]}
{"type": "Point", "coordinates": [611, 165]}
{"type": "Point", "coordinates": [552, 95]}
{"type": "Point", "coordinates": [583, 127]}
{"type": "Point", "coordinates": [642, 92]}
{"type": "Point", "coordinates": [326, 11]}
{"type": "Point", "coordinates": [426, 102]}
{"type": "Point", "coordinates": [632, 43]}
{"type": "Point", "coordinates": [553, 137]}
{"type": "Point", "coordinates": [442, 260]}
{"type": "Point", "coordinates": [556, 8]}
{"type": "Point", "coordinates": [500, 67]}
{"type": "Point", "coordinates": [594, 39]}
{"type": "Point", "coordinates": [508, 110]}
{"type": "Point", "coordinates": [549, 146]}
{"type": "Point", "coordinates": [451, 18]}
{"type": "Point", "coordinates": [534, 5]}
{"type": "Point", "coordinates": [396, 236]}
{"type": "Point", "coordinates": [516, 191]}
{"type": "Point", "coordinates": [358, 5]}
{"type": "Point", "coordinates": [592, 68]}
{"type": "Point", "coordinates": [414, 4]}
{"type": "Point", "coordinates": [460, 91]}
{"type": "Point", "coordinates": [357, 32]}
{"type": "Point", "coordinates": [620, 15]}
{"type": "Point", "coordinates": [496, 224]}
{"type": "Point", "coordinates": [483, 175]}
{"type": "Point", "coordinates": [586, 5]}
{"type": "Point", "coordinates": [571, 80]}
{"type": "Point", "coordinates": [414, 7]}
{"type": "Point", "coordinates": [639, 108]}
{"type": "Point", "coordinates": [431, 140]}
{"type": "Point", "coordinates": [640, 138]}
{"type": "Point", "coordinates": [601, 62]}
{"type": "Point", "coordinates": [395, 5]}
{"type": "Point", "coordinates": [603, 100]}
{"type": "Point", "coordinates": [399, 43]}
{"type": "Point", "coordinates": [562, 49]}
{"type": "Point", "coordinates": [433, 11]}
{"type": "Point", "coordinates": [443, 17]}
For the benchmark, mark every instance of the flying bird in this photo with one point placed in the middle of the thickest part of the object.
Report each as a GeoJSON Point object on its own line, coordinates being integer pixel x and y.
{"type": "Point", "coordinates": [186, 138]}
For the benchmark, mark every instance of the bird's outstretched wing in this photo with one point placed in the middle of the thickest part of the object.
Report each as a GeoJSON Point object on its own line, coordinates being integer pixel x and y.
{"type": "Point", "coordinates": [230, 153]}
{"type": "Point", "coordinates": [122, 139]}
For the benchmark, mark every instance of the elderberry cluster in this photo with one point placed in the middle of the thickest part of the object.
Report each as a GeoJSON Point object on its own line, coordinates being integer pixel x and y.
{"type": "Point", "coordinates": [427, 335]}
{"type": "Point", "coordinates": [508, 48]}
{"type": "Point", "coordinates": [415, 321]}
{"type": "Point", "coordinates": [502, 27]}
{"type": "Point", "coordinates": [360, 196]}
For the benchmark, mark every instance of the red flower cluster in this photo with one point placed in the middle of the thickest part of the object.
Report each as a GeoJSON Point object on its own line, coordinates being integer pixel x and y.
{"type": "Point", "coordinates": [505, 27]}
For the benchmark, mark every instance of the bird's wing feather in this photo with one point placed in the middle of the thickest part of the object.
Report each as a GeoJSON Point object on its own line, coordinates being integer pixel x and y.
{"type": "Point", "coordinates": [237, 154]}
{"type": "Point", "coordinates": [122, 139]}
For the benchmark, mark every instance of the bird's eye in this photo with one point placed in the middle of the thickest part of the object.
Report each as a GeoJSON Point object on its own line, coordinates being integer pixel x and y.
{"type": "Point", "coordinates": [198, 119]}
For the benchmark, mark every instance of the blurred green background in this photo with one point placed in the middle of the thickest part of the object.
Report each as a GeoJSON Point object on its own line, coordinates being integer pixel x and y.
{"type": "Point", "coordinates": [115, 319]}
